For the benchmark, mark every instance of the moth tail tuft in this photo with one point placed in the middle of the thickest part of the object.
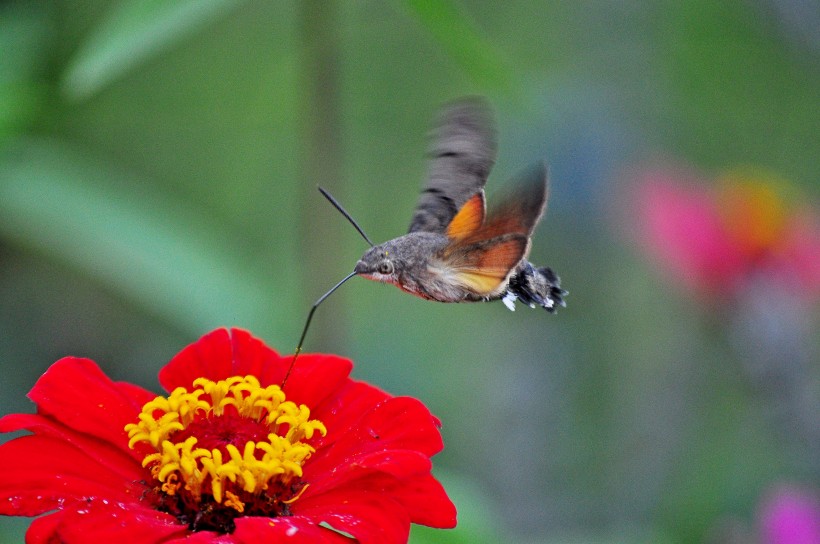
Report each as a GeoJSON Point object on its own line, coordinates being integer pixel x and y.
{"type": "Point", "coordinates": [537, 287]}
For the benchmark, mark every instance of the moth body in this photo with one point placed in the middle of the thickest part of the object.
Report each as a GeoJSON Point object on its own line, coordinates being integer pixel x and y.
{"type": "Point", "coordinates": [409, 263]}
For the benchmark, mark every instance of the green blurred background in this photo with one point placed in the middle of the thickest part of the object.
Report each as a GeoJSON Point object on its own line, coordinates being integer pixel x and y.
{"type": "Point", "coordinates": [158, 165]}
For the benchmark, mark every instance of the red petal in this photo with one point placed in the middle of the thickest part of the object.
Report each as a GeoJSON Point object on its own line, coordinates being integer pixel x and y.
{"type": "Point", "coordinates": [372, 518]}
{"type": "Point", "coordinates": [218, 355]}
{"type": "Point", "coordinates": [211, 356]}
{"type": "Point", "coordinates": [421, 496]}
{"type": "Point", "coordinates": [801, 252]}
{"type": "Point", "coordinates": [78, 394]}
{"type": "Point", "coordinates": [426, 501]}
{"type": "Point", "coordinates": [221, 354]}
{"type": "Point", "coordinates": [397, 464]}
{"type": "Point", "coordinates": [681, 227]}
{"type": "Point", "coordinates": [342, 411]}
{"type": "Point", "coordinates": [39, 473]}
{"type": "Point", "coordinates": [224, 353]}
{"type": "Point", "coordinates": [43, 530]}
{"type": "Point", "coordinates": [105, 521]}
{"type": "Point", "coordinates": [113, 457]}
{"type": "Point", "coordinates": [291, 529]}
{"type": "Point", "coordinates": [316, 378]}
{"type": "Point", "coordinates": [401, 423]}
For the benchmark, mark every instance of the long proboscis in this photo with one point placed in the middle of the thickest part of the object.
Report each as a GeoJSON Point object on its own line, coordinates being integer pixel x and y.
{"type": "Point", "coordinates": [347, 215]}
{"type": "Point", "coordinates": [307, 325]}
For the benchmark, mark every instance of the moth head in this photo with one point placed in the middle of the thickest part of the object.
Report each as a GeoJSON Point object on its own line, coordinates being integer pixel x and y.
{"type": "Point", "coordinates": [379, 264]}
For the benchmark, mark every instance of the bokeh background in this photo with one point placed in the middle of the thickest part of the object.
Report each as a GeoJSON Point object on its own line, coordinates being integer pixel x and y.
{"type": "Point", "coordinates": [158, 165]}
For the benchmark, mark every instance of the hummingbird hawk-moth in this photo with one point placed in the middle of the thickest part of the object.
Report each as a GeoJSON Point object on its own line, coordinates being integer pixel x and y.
{"type": "Point", "coordinates": [454, 250]}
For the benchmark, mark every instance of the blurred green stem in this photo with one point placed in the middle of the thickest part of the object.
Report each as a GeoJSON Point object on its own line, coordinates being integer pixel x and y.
{"type": "Point", "coordinates": [321, 164]}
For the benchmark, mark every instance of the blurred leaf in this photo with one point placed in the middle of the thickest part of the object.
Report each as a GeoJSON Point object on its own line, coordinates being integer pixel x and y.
{"type": "Point", "coordinates": [634, 535]}
{"type": "Point", "coordinates": [719, 475]}
{"type": "Point", "coordinates": [739, 93]}
{"type": "Point", "coordinates": [13, 530]}
{"type": "Point", "coordinates": [151, 249]}
{"type": "Point", "coordinates": [464, 43]}
{"type": "Point", "coordinates": [19, 104]}
{"type": "Point", "coordinates": [133, 31]}
{"type": "Point", "coordinates": [24, 32]}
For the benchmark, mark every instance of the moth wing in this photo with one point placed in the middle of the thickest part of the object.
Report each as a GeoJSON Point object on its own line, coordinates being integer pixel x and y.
{"type": "Point", "coordinates": [468, 219]}
{"type": "Point", "coordinates": [519, 211]}
{"type": "Point", "coordinates": [483, 259]}
{"type": "Point", "coordinates": [462, 153]}
{"type": "Point", "coordinates": [480, 284]}
{"type": "Point", "coordinates": [484, 267]}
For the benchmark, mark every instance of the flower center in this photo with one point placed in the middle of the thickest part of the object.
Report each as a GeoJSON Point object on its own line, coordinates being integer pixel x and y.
{"type": "Point", "coordinates": [225, 449]}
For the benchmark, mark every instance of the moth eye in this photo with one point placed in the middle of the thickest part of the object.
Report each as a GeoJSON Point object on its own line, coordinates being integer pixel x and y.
{"type": "Point", "coordinates": [385, 267]}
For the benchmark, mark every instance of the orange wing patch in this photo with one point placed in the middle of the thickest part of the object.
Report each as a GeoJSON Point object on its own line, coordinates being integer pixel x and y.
{"type": "Point", "coordinates": [468, 219]}
{"type": "Point", "coordinates": [478, 283]}
{"type": "Point", "coordinates": [484, 267]}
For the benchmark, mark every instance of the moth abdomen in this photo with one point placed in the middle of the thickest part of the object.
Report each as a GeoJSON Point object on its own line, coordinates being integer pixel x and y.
{"type": "Point", "coordinates": [535, 287]}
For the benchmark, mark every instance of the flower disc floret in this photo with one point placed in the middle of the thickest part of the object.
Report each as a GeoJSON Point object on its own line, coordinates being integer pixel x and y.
{"type": "Point", "coordinates": [228, 442]}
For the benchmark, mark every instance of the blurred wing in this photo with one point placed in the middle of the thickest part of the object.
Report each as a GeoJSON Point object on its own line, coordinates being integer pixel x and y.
{"type": "Point", "coordinates": [519, 211]}
{"type": "Point", "coordinates": [484, 267]}
{"type": "Point", "coordinates": [462, 154]}
{"type": "Point", "coordinates": [483, 258]}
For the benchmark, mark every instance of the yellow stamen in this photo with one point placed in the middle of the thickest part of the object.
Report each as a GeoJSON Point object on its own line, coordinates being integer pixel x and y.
{"type": "Point", "coordinates": [171, 485]}
{"type": "Point", "coordinates": [224, 472]}
{"type": "Point", "coordinates": [234, 502]}
{"type": "Point", "coordinates": [296, 497]}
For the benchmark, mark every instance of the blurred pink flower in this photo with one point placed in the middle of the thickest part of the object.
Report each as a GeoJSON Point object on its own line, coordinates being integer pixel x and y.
{"type": "Point", "coordinates": [715, 238]}
{"type": "Point", "coordinates": [789, 515]}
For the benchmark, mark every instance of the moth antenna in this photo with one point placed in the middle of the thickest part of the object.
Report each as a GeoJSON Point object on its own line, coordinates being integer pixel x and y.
{"type": "Point", "coordinates": [307, 325]}
{"type": "Point", "coordinates": [347, 216]}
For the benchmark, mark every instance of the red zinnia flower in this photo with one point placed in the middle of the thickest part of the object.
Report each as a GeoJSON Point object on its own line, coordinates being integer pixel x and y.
{"type": "Point", "coordinates": [717, 242]}
{"type": "Point", "coordinates": [227, 456]}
